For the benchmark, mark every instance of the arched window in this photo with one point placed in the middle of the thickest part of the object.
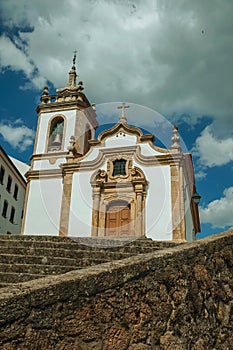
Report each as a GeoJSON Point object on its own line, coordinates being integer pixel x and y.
{"type": "Point", "coordinates": [56, 134]}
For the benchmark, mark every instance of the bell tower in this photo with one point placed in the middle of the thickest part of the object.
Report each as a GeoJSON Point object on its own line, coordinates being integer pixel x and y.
{"type": "Point", "coordinates": [63, 115]}
{"type": "Point", "coordinates": [64, 118]}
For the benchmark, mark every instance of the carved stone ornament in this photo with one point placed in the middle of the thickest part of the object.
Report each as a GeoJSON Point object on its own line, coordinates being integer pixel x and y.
{"type": "Point", "coordinates": [101, 176]}
{"type": "Point", "coordinates": [107, 190]}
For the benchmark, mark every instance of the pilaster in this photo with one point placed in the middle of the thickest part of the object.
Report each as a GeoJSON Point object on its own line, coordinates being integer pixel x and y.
{"type": "Point", "coordinates": [95, 211]}
{"type": "Point", "coordinates": [177, 199]}
{"type": "Point", "coordinates": [65, 206]}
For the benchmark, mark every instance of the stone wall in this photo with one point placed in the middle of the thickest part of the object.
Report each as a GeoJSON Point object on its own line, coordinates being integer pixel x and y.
{"type": "Point", "coordinates": [178, 298]}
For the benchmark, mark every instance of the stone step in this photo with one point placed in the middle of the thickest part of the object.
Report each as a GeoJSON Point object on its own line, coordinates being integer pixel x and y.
{"type": "Point", "coordinates": [24, 258]}
{"type": "Point", "coordinates": [34, 238]}
{"type": "Point", "coordinates": [72, 245]}
{"type": "Point", "coordinates": [27, 247]}
{"type": "Point", "coordinates": [35, 269]}
{"type": "Point", "coordinates": [134, 249]}
{"type": "Point", "coordinates": [78, 261]}
{"type": "Point", "coordinates": [40, 244]}
{"type": "Point", "coordinates": [91, 242]}
{"type": "Point", "coordinates": [64, 253]}
{"type": "Point", "coordinates": [37, 260]}
{"type": "Point", "coordinates": [117, 243]}
{"type": "Point", "coordinates": [2, 284]}
{"type": "Point", "coordinates": [18, 277]}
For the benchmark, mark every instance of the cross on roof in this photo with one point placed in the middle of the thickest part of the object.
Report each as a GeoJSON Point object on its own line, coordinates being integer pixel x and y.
{"type": "Point", "coordinates": [122, 107]}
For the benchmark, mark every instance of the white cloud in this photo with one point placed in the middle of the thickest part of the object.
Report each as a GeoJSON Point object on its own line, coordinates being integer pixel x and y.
{"type": "Point", "coordinates": [213, 151]}
{"type": "Point", "coordinates": [172, 56]}
{"type": "Point", "coordinates": [17, 135]}
{"type": "Point", "coordinates": [13, 57]}
{"type": "Point", "coordinates": [219, 213]}
{"type": "Point", "coordinates": [201, 175]}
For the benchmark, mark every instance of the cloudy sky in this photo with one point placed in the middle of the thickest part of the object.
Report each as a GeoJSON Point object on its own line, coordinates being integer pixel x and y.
{"type": "Point", "coordinates": [174, 57]}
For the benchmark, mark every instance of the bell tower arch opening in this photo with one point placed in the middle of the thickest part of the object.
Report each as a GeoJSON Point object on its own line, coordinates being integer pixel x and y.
{"type": "Point", "coordinates": [56, 134]}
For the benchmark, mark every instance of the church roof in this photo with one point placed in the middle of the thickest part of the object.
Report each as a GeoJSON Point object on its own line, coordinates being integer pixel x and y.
{"type": "Point", "coordinates": [123, 127]}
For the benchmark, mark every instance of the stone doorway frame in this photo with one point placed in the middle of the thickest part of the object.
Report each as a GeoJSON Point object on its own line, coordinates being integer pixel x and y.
{"type": "Point", "coordinates": [131, 188]}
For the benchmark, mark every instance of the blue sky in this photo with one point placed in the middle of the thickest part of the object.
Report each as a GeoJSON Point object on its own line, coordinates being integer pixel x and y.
{"type": "Point", "coordinates": [172, 57]}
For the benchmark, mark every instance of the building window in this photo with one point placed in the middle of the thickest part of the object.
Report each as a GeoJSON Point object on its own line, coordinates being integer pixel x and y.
{"type": "Point", "coordinates": [56, 134]}
{"type": "Point", "coordinates": [12, 216]}
{"type": "Point", "coordinates": [119, 167]}
{"type": "Point", "coordinates": [4, 209]}
{"type": "Point", "coordinates": [2, 173]}
{"type": "Point", "coordinates": [16, 190]}
{"type": "Point", "coordinates": [9, 182]}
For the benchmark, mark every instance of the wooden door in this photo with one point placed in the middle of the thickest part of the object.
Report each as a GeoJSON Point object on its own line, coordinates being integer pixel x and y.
{"type": "Point", "coordinates": [118, 219]}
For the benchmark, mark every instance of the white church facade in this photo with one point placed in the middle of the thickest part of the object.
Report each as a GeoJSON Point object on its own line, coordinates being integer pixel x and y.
{"type": "Point", "coordinates": [116, 185]}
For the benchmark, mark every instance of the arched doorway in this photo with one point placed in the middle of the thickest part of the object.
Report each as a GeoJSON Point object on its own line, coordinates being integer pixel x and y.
{"type": "Point", "coordinates": [117, 219]}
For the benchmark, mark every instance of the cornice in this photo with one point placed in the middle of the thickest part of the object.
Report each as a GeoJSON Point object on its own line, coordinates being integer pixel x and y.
{"type": "Point", "coordinates": [132, 151]}
{"type": "Point", "coordinates": [156, 160]}
{"type": "Point", "coordinates": [62, 106]}
{"type": "Point", "coordinates": [41, 174]}
{"type": "Point", "coordinates": [49, 155]}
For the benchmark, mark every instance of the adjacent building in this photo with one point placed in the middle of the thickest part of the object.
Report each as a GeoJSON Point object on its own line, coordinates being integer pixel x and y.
{"type": "Point", "coordinates": [12, 193]}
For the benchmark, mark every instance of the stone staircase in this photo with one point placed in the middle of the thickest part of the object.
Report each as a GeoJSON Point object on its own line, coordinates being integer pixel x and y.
{"type": "Point", "coordinates": [24, 258]}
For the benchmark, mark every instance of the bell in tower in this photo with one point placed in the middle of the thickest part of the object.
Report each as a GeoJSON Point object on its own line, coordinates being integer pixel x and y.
{"type": "Point", "coordinates": [57, 140]}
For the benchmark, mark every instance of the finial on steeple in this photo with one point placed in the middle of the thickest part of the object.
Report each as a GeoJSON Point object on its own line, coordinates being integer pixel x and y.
{"type": "Point", "coordinates": [45, 91]}
{"type": "Point", "coordinates": [74, 58]}
{"type": "Point", "coordinates": [72, 73]}
{"type": "Point", "coordinates": [123, 118]}
{"type": "Point", "coordinates": [175, 139]}
{"type": "Point", "coordinates": [80, 86]}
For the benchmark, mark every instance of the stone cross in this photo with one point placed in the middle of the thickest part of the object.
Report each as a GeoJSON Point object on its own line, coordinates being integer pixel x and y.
{"type": "Point", "coordinates": [122, 107]}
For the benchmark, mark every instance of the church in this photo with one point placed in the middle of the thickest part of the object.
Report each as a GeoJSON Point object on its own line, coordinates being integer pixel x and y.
{"type": "Point", "coordinates": [118, 184]}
